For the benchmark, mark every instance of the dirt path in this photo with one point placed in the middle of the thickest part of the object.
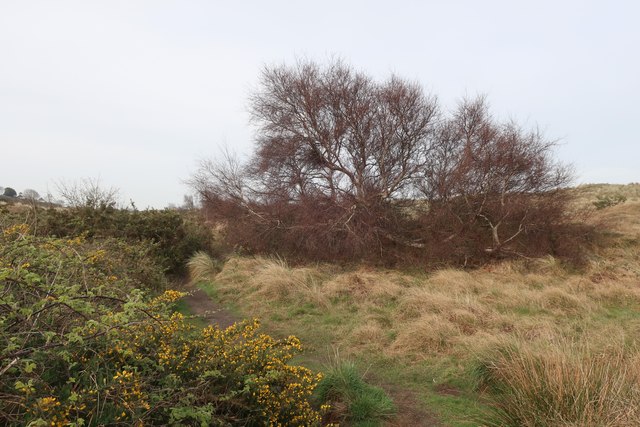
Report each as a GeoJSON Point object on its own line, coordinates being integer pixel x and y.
{"type": "Point", "coordinates": [204, 307]}
{"type": "Point", "coordinates": [413, 419]}
{"type": "Point", "coordinates": [409, 413]}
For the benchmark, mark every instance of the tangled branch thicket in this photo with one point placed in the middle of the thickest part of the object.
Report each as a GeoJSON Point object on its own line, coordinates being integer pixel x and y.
{"type": "Point", "coordinates": [348, 168]}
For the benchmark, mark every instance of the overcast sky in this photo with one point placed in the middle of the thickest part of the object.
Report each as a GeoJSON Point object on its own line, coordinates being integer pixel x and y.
{"type": "Point", "coordinates": [135, 92]}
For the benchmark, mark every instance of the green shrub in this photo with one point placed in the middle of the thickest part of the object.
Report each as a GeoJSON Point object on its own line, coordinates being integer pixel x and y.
{"type": "Point", "coordinates": [353, 400]}
{"type": "Point", "coordinates": [176, 235]}
{"type": "Point", "coordinates": [82, 346]}
{"type": "Point", "coordinates": [609, 200]}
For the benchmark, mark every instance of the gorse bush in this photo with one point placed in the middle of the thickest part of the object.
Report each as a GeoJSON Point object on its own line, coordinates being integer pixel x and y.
{"type": "Point", "coordinates": [175, 235]}
{"type": "Point", "coordinates": [84, 342]}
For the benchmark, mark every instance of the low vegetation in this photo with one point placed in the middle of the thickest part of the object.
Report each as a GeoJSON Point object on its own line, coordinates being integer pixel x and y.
{"type": "Point", "coordinates": [89, 336]}
{"type": "Point", "coordinates": [440, 252]}
{"type": "Point", "coordinates": [563, 385]}
{"type": "Point", "coordinates": [353, 400]}
{"type": "Point", "coordinates": [494, 345]}
{"type": "Point", "coordinates": [171, 235]}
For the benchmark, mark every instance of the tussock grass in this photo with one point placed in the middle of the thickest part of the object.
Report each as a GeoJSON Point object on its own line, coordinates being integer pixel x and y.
{"type": "Point", "coordinates": [418, 301]}
{"type": "Point", "coordinates": [466, 321]}
{"type": "Point", "coordinates": [202, 267]}
{"type": "Point", "coordinates": [562, 385]}
{"type": "Point", "coordinates": [275, 280]}
{"type": "Point", "coordinates": [370, 333]}
{"type": "Point", "coordinates": [536, 328]}
{"type": "Point", "coordinates": [377, 287]}
{"type": "Point", "coordinates": [455, 280]}
{"type": "Point", "coordinates": [430, 334]}
{"type": "Point", "coordinates": [563, 302]}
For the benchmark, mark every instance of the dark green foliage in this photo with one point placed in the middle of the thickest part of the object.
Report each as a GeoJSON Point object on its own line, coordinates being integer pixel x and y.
{"type": "Point", "coordinates": [362, 403]}
{"type": "Point", "coordinates": [9, 192]}
{"type": "Point", "coordinates": [175, 237]}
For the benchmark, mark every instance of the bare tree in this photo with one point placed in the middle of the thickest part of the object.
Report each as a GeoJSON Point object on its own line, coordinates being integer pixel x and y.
{"type": "Point", "coordinates": [340, 150]}
{"type": "Point", "coordinates": [31, 195]}
{"type": "Point", "coordinates": [224, 177]}
{"type": "Point", "coordinates": [494, 176]}
{"type": "Point", "coordinates": [88, 192]}
{"type": "Point", "coordinates": [349, 167]}
{"type": "Point", "coordinates": [336, 132]}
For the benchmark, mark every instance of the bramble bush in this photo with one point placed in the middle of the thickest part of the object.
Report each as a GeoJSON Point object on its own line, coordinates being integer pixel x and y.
{"type": "Point", "coordinates": [84, 342]}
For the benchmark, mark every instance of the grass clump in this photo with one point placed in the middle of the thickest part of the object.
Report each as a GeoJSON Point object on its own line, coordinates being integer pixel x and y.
{"type": "Point", "coordinates": [353, 400]}
{"type": "Point", "coordinates": [559, 386]}
{"type": "Point", "coordinates": [202, 267]}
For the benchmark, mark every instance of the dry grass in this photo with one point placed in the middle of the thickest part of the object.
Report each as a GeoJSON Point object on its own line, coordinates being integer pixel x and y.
{"type": "Point", "coordinates": [362, 285]}
{"type": "Point", "coordinates": [456, 315]}
{"type": "Point", "coordinates": [563, 385]}
{"type": "Point", "coordinates": [430, 334]}
{"type": "Point", "coordinates": [369, 333]}
{"type": "Point", "coordinates": [202, 267]}
{"type": "Point", "coordinates": [538, 299]}
{"type": "Point", "coordinates": [563, 302]}
{"type": "Point", "coordinates": [589, 193]}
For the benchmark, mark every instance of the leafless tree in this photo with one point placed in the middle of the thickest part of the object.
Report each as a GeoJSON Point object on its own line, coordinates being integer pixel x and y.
{"type": "Point", "coordinates": [494, 176]}
{"type": "Point", "coordinates": [337, 133]}
{"type": "Point", "coordinates": [88, 192]}
{"type": "Point", "coordinates": [31, 195]}
{"type": "Point", "coordinates": [349, 167]}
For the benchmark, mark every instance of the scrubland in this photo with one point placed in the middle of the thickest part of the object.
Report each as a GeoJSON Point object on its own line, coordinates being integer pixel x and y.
{"type": "Point", "coordinates": [91, 336]}
{"type": "Point", "coordinates": [516, 342]}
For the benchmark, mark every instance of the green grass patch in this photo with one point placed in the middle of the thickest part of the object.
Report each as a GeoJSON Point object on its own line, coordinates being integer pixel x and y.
{"type": "Point", "coordinates": [209, 288]}
{"type": "Point", "coordinates": [305, 309]}
{"type": "Point", "coordinates": [622, 313]}
{"type": "Point", "coordinates": [354, 401]}
{"type": "Point", "coordinates": [457, 411]}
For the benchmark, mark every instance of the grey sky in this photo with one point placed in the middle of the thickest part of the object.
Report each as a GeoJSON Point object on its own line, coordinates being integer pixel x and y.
{"type": "Point", "coordinates": [134, 92]}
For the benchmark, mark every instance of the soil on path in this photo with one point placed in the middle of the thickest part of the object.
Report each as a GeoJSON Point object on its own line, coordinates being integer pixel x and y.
{"type": "Point", "coordinates": [408, 411]}
{"type": "Point", "coordinates": [204, 307]}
